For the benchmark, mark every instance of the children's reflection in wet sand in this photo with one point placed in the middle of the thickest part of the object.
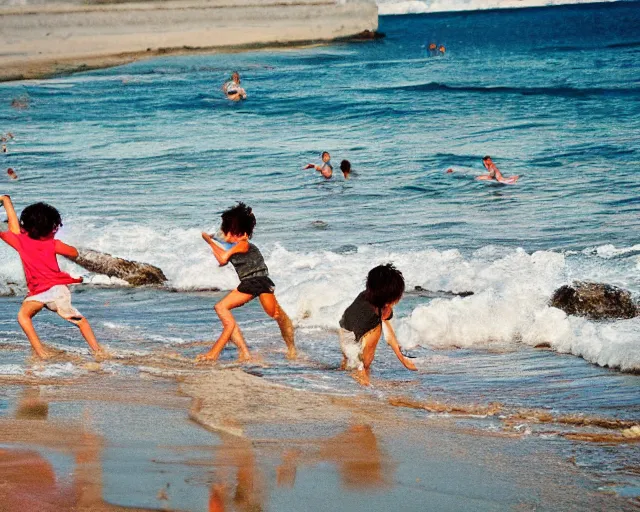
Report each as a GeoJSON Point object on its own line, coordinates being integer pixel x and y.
{"type": "Point", "coordinates": [360, 463]}
{"type": "Point", "coordinates": [29, 482]}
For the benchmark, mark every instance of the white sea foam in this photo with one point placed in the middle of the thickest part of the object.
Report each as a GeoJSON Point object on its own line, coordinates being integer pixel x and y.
{"type": "Point", "coordinates": [388, 7]}
{"type": "Point", "coordinates": [511, 287]}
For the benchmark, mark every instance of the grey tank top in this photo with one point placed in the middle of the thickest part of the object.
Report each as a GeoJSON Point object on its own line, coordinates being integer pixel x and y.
{"type": "Point", "coordinates": [249, 264]}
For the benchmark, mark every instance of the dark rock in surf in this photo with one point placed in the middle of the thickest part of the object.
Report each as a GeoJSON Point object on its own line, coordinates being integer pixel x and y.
{"type": "Point", "coordinates": [423, 292]}
{"type": "Point", "coordinates": [595, 301]}
{"type": "Point", "coordinates": [133, 272]}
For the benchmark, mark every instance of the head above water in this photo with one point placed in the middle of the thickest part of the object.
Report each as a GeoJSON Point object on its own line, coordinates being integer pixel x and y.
{"type": "Point", "coordinates": [235, 76]}
{"type": "Point", "coordinates": [345, 166]}
{"type": "Point", "coordinates": [325, 156]}
{"type": "Point", "coordinates": [40, 221]}
{"type": "Point", "coordinates": [385, 285]}
{"type": "Point", "coordinates": [238, 221]}
{"type": "Point", "coordinates": [487, 161]}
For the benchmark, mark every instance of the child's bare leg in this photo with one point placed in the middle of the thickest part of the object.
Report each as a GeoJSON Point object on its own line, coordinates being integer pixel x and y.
{"type": "Point", "coordinates": [87, 334]}
{"type": "Point", "coordinates": [369, 344]}
{"type": "Point", "coordinates": [238, 339]}
{"type": "Point", "coordinates": [28, 310]}
{"type": "Point", "coordinates": [273, 309]}
{"type": "Point", "coordinates": [223, 308]}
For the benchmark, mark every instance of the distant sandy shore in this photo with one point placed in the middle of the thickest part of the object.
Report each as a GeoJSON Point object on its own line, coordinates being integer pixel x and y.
{"type": "Point", "coordinates": [40, 40]}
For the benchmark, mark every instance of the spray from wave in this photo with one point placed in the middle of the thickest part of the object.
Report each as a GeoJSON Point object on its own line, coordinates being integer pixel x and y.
{"type": "Point", "coordinates": [389, 7]}
{"type": "Point", "coordinates": [511, 288]}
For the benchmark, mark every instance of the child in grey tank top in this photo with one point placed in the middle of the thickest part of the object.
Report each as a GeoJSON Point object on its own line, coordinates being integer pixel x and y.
{"type": "Point", "coordinates": [361, 324]}
{"type": "Point", "coordinates": [237, 228]}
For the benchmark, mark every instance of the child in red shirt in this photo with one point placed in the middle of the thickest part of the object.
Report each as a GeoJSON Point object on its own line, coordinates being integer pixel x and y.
{"type": "Point", "coordinates": [33, 237]}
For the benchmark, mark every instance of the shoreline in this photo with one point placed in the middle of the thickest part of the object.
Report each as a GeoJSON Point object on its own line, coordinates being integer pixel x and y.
{"type": "Point", "coordinates": [41, 41]}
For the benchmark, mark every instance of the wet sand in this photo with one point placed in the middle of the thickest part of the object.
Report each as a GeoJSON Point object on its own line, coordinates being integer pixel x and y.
{"type": "Point", "coordinates": [222, 439]}
{"type": "Point", "coordinates": [40, 40]}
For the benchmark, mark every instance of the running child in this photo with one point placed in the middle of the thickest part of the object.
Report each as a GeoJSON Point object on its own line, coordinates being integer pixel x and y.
{"type": "Point", "coordinates": [237, 228]}
{"type": "Point", "coordinates": [33, 237]}
{"type": "Point", "coordinates": [362, 322]}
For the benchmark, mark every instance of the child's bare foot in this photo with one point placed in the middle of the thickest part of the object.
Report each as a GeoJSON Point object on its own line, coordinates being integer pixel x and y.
{"type": "Point", "coordinates": [292, 353]}
{"type": "Point", "coordinates": [101, 354]}
{"type": "Point", "coordinates": [361, 377]}
{"type": "Point", "coordinates": [208, 357]}
{"type": "Point", "coordinates": [46, 353]}
{"type": "Point", "coordinates": [244, 358]}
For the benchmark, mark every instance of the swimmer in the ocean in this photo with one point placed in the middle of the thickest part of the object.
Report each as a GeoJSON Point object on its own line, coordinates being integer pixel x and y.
{"type": "Point", "coordinates": [494, 173]}
{"type": "Point", "coordinates": [233, 89]}
{"type": "Point", "coordinates": [441, 50]}
{"type": "Point", "coordinates": [326, 169]}
{"type": "Point", "coordinates": [345, 167]}
{"type": "Point", "coordinates": [433, 49]}
{"type": "Point", "coordinates": [4, 148]}
{"type": "Point", "coordinates": [12, 174]}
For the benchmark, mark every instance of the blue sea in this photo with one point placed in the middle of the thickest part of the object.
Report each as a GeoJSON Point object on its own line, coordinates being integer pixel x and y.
{"type": "Point", "coordinates": [141, 158]}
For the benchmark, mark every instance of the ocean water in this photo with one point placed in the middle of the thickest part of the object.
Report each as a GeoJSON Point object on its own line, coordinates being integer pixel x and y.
{"type": "Point", "coordinates": [141, 158]}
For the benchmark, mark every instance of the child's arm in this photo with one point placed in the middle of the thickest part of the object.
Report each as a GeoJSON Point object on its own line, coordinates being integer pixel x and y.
{"type": "Point", "coordinates": [14, 223]}
{"type": "Point", "coordinates": [221, 255]}
{"type": "Point", "coordinates": [68, 251]}
{"type": "Point", "coordinates": [390, 336]}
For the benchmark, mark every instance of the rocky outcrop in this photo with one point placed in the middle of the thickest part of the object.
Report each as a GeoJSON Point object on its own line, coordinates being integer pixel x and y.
{"type": "Point", "coordinates": [595, 301]}
{"type": "Point", "coordinates": [133, 272]}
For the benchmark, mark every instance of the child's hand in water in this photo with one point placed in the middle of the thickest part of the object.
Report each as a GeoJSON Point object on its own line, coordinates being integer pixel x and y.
{"type": "Point", "coordinates": [408, 364]}
{"type": "Point", "coordinates": [206, 237]}
{"type": "Point", "coordinates": [309, 166]}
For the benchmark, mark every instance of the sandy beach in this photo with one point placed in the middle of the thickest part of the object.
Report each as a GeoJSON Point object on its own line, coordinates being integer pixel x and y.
{"type": "Point", "coordinates": [176, 437]}
{"type": "Point", "coordinates": [41, 40]}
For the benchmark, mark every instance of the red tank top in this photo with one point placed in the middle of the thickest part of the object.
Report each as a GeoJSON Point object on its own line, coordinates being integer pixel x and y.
{"type": "Point", "coordinates": [39, 261]}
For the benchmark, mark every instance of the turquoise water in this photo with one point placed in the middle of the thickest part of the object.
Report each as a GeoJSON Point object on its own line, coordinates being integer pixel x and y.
{"type": "Point", "coordinates": [141, 158]}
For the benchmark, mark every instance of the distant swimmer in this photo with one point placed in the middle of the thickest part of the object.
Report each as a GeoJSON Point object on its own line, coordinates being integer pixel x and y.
{"type": "Point", "coordinates": [433, 49]}
{"type": "Point", "coordinates": [326, 169]}
{"type": "Point", "coordinates": [345, 167]}
{"type": "Point", "coordinates": [441, 50]}
{"type": "Point", "coordinates": [4, 148]}
{"type": "Point", "coordinates": [12, 174]}
{"type": "Point", "coordinates": [20, 103]}
{"type": "Point", "coordinates": [233, 89]}
{"type": "Point", "coordinates": [494, 173]}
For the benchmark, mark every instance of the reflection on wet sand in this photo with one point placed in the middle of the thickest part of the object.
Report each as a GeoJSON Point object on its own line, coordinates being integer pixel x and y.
{"type": "Point", "coordinates": [236, 462]}
{"type": "Point", "coordinates": [356, 453]}
{"type": "Point", "coordinates": [29, 482]}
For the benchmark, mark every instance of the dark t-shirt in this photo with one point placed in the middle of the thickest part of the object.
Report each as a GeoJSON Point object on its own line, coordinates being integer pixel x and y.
{"type": "Point", "coordinates": [361, 317]}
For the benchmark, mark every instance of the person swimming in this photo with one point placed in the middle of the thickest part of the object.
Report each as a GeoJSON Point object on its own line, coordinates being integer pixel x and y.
{"type": "Point", "coordinates": [233, 89]}
{"type": "Point", "coordinates": [345, 167]}
{"type": "Point", "coordinates": [441, 50]}
{"type": "Point", "coordinates": [494, 173]}
{"type": "Point", "coordinates": [326, 169]}
{"type": "Point", "coordinates": [12, 174]}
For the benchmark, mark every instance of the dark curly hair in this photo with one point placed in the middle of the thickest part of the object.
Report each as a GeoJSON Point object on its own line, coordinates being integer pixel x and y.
{"type": "Point", "coordinates": [385, 285]}
{"type": "Point", "coordinates": [238, 220]}
{"type": "Point", "coordinates": [40, 220]}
